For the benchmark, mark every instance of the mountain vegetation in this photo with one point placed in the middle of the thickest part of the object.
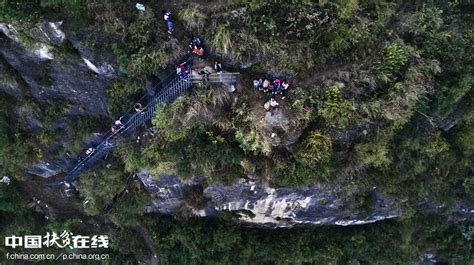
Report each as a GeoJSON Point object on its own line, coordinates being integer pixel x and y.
{"type": "Point", "coordinates": [381, 94]}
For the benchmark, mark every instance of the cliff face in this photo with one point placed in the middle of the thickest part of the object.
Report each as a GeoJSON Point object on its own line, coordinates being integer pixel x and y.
{"type": "Point", "coordinates": [47, 65]}
{"type": "Point", "coordinates": [52, 65]}
{"type": "Point", "coordinates": [263, 206]}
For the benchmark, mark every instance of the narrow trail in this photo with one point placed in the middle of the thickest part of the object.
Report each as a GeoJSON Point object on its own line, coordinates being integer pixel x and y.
{"type": "Point", "coordinates": [328, 71]}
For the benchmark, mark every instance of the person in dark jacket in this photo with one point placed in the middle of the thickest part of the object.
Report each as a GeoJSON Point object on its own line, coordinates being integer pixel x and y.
{"type": "Point", "coordinates": [218, 67]}
{"type": "Point", "coordinates": [276, 86]}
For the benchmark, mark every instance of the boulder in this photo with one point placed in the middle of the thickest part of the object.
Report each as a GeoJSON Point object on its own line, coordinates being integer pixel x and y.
{"type": "Point", "coordinates": [44, 169]}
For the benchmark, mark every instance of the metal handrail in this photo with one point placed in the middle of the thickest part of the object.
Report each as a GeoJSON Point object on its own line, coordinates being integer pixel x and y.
{"type": "Point", "coordinates": [134, 119]}
{"type": "Point", "coordinates": [172, 87]}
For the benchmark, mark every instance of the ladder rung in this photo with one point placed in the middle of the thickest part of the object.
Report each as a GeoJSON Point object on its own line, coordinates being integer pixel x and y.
{"type": "Point", "coordinates": [170, 91]}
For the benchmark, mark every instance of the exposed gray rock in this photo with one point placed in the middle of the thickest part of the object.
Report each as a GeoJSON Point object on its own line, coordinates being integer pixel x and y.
{"type": "Point", "coordinates": [281, 136]}
{"type": "Point", "coordinates": [6, 180]}
{"type": "Point", "coordinates": [429, 257]}
{"type": "Point", "coordinates": [276, 118]}
{"type": "Point", "coordinates": [89, 45]}
{"type": "Point", "coordinates": [169, 192]}
{"type": "Point", "coordinates": [51, 76]}
{"type": "Point", "coordinates": [281, 207]}
{"type": "Point", "coordinates": [51, 32]}
{"type": "Point", "coordinates": [291, 137]}
{"type": "Point", "coordinates": [444, 124]}
{"type": "Point", "coordinates": [8, 83]}
{"type": "Point", "coordinates": [28, 117]}
{"type": "Point", "coordinates": [47, 66]}
{"type": "Point", "coordinates": [44, 169]}
{"type": "Point", "coordinates": [456, 212]}
{"type": "Point", "coordinates": [9, 31]}
{"type": "Point", "coordinates": [104, 69]}
{"type": "Point", "coordinates": [93, 139]}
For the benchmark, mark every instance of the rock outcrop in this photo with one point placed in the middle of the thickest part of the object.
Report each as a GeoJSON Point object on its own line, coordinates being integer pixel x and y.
{"type": "Point", "coordinates": [51, 67]}
{"type": "Point", "coordinates": [268, 207]}
{"type": "Point", "coordinates": [45, 65]}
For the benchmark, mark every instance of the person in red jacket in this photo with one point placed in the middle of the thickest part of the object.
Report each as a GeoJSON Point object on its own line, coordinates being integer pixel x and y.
{"type": "Point", "coordinates": [201, 54]}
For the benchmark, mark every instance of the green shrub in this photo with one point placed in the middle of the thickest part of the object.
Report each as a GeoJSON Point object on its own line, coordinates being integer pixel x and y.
{"type": "Point", "coordinates": [428, 22]}
{"type": "Point", "coordinates": [82, 128]}
{"type": "Point", "coordinates": [189, 146]}
{"type": "Point", "coordinates": [145, 62]}
{"type": "Point", "coordinates": [167, 122]}
{"type": "Point", "coordinates": [142, 31]}
{"type": "Point", "coordinates": [16, 151]}
{"type": "Point", "coordinates": [210, 154]}
{"type": "Point", "coordinates": [291, 173]}
{"type": "Point", "coordinates": [314, 149]}
{"type": "Point", "coordinates": [449, 93]}
{"type": "Point", "coordinates": [195, 198]}
{"type": "Point", "coordinates": [99, 186]}
{"type": "Point", "coordinates": [121, 54]}
{"type": "Point", "coordinates": [336, 111]}
{"type": "Point", "coordinates": [346, 8]}
{"type": "Point", "coordinates": [468, 185]}
{"type": "Point", "coordinates": [144, 47]}
{"type": "Point", "coordinates": [464, 139]}
{"type": "Point", "coordinates": [133, 160]}
{"type": "Point", "coordinates": [130, 208]}
{"type": "Point", "coordinates": [253, 141]}
{"type": "Point", "coordinates": [193, 17]}
{"type": "Point", "coordinates": [374, 154]}
{"type": "Point", "coordinates": [435, 145]}
{"type": "Point", "coordinates": [43, 78]}
{"type": "Point", "coordinates": [298, 95]}
{"type": "Point", "coordinates": [119, 98]}
{"type": "Point", "coordinates": [392, 58]}
{"type": "Point", "coordinates": [222, 40]}
{"type": "Point", "coordinates": [16, 146]}
{"type": "Point", "coordinates": [332, 94]}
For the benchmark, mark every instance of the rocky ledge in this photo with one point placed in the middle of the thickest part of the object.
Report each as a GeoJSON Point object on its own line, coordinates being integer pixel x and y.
{"type": "Point", "coordinates": [269, 207]}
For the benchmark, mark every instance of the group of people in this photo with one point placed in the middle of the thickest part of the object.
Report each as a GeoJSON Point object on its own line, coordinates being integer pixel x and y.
{"type": "Point", "coordinates": [206, 71]}
{"type": "Point", "coordinates": [182, 70]}
{"type": "Point", "coordinates": [196, 47]}
{"type": "Point", "coordinates": [276, 87]}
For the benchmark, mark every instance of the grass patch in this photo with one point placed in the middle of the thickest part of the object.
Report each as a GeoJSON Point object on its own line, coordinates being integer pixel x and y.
{"type": "Point", "coordinates": [222, 39]}
{"type": "Point", "coordinates": [193, 17]}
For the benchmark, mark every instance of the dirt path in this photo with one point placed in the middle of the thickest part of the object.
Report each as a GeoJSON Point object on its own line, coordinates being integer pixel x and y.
{"type": "Point", "coordinates": [328, 71]}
